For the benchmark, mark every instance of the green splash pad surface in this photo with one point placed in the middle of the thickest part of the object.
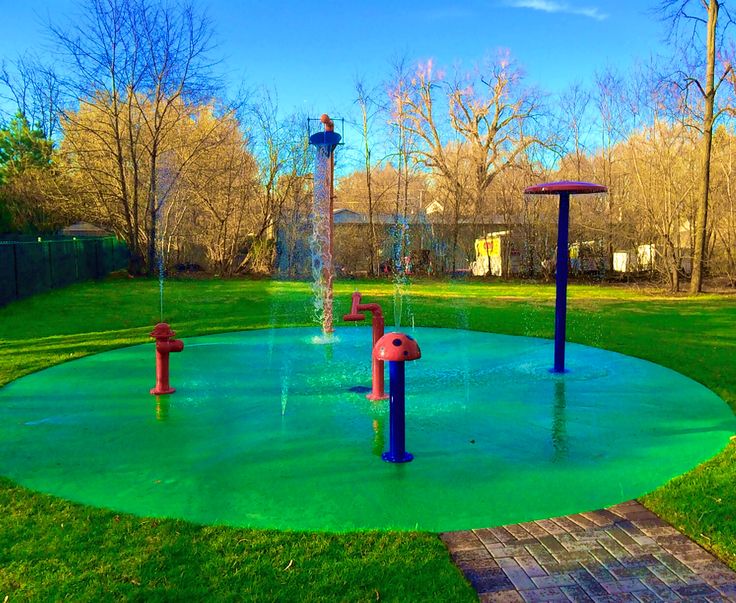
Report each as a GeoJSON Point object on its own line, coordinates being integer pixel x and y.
{"type": "Point", "coordinates": [264, 431]}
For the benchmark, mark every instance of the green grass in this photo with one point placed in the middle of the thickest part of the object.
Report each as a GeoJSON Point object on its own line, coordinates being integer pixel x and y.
{"type": "Point", "coordinates": [52, 549]}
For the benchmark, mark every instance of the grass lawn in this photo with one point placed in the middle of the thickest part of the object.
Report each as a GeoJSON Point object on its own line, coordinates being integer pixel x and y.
{"type": "Point", "coordinates": [51, 549]}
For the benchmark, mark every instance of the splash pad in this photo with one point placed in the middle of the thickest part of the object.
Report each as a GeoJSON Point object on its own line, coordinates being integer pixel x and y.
{"type": "Point", "coordinates": [280, 435]}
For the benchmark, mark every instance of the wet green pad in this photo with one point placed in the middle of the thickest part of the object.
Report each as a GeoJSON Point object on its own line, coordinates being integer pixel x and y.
{"type": "Point", "coordinates": [270, 429]}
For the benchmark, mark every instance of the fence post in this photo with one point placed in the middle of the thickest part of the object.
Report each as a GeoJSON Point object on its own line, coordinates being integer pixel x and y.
{"type": "Point", "coordinates": [99, 259]}
{"type": "Point", "coordinates": [15, 270]}
{"type": "Point", "coordinates": [51, 264]}
{"type": "Point", "coordinates": [76, 260]}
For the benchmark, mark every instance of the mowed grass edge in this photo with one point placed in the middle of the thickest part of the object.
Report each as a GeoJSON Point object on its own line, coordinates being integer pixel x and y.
{"type": "Point", "coordinates": [52, 549]}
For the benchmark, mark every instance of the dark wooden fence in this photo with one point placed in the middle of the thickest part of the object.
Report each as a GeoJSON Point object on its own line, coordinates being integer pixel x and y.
{"type": "Point", "coordinates": [30, 267]}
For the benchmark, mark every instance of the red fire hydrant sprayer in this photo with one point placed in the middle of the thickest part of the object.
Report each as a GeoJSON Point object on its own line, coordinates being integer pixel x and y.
{"type": "Point", "coordinates": [165, 344]}
{"type": "Point", "coordinates": [356, 308]}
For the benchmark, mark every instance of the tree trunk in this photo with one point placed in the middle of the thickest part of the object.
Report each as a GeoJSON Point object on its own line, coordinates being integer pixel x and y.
{"type": "Point", "coordinates": [701, 212]}
{"type": "Point", "coordinates": [674, 268]}
{"type": "Point", "coordinates": [368, 182]}
{"type": "Point", "coordinates": [371, 226]}
{"type": "Point", "coordinates": [152, 232]}
{"type": "Point", "coordinates": [455, 228]}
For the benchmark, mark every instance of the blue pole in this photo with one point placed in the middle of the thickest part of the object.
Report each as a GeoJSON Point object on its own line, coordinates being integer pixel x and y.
{"type": "Point", "coordinates": [397, 417]}
{"type": "Point", "coordinates": [561, 279]}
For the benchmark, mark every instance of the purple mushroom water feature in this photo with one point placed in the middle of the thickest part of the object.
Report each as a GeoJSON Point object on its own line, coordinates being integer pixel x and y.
{"type": "Point", "coordinates": [564, 189]}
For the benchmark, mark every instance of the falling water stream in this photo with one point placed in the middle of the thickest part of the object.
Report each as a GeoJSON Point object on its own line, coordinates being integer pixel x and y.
{"type": "Point", "coordinates": [401, 270]}
{"type": "Point", "coordinates": [160, 261]}
{"type": "Point", "coordinates": [320, 247]}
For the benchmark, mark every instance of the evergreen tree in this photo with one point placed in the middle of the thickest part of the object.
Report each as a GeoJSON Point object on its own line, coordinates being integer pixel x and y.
{"type": "Point", "coordinates": [22, 147]}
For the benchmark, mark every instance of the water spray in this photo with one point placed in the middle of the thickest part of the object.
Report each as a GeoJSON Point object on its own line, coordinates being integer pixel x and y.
{"type": "Point", "coordinates": [323, 271]}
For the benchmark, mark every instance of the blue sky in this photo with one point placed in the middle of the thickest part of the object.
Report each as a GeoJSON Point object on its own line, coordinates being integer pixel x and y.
{"type": "Point", "coordinates": [311, 53]}
{"type": "Point", "coordinates": [312, 57]}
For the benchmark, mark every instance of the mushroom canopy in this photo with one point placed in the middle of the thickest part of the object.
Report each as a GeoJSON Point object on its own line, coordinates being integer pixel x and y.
{"type": "Point", "coordinates": [396, 347]}
{"type": "Point", "coordinates": [565, 186]}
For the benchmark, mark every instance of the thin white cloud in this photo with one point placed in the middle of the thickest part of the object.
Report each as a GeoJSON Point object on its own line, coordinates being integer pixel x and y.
{"type": "Point", "coordinates": [552, 6]}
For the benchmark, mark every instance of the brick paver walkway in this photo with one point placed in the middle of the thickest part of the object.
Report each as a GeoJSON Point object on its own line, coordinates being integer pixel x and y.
{"type": "Point", "coordinates": [624, 553]}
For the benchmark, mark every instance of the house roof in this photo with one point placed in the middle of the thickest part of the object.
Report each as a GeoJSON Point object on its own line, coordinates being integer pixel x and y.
{"type": "Point", "coordinates": [348, 216]}
{"type": "Point", "coordinates": [344, 215]}
{"type": "Point", "coordinates": [84, 229]}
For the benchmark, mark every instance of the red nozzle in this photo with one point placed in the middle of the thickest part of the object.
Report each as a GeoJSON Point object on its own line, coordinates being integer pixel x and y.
{"type": "Point", "coordinates": [328, 123]}
{"type": "Point", "coordinates": [173, 345]}
{"type": "Point", "coordinates": [355, 316]}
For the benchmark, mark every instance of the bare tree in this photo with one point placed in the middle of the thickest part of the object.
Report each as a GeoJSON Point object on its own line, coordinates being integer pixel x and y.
{"type": "Point", "coordinates": [35, 89]}
{"type": "Point", "coordinates": [724, 224]}
{"type": "Point", "coordinates": [490, 128]}
{"type": "Point", "coordinates": [368, 111]}
{"type": "Point", "coordinates": [662, 159]}
{"type": "Point", "coordinates": [575, 126]}
{"type": "Point", "coordinates": [399, 120]}
{"type": "Point", "coordinates": [281, 148]}
{"type": "Point", "coordinates": [706, 14]}
{"type": "Point", "coordinates": [611, 102]}
{"type": "Point", "coordinates": [174, 46]}
{"type": "Point", "coordinates": [143, 61]}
